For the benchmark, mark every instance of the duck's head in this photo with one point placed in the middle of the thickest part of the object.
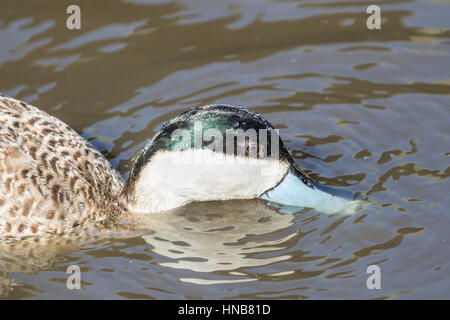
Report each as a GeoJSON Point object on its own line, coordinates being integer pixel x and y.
{"type": "Point", "coordinates": [221, 152]}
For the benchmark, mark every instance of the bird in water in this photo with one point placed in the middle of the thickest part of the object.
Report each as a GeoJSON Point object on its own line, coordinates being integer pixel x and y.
{"type": "Point", "coordinates": [52, 180]}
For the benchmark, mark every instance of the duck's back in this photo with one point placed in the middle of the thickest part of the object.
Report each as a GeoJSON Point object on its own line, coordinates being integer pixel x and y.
{"type": "Point", "coordinates": [51, 179]}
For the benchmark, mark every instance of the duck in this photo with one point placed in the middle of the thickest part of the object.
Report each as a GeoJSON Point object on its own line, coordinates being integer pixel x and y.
{"type": "Point", "coordinates": [53, 180]}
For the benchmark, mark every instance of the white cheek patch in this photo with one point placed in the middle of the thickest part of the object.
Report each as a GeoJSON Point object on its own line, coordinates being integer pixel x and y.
{"type": "Point", "coordinates": [175, 178]}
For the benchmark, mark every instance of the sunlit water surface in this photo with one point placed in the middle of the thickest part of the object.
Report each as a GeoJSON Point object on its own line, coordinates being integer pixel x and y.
{"type": "Point", "coordinates": [364, 110]}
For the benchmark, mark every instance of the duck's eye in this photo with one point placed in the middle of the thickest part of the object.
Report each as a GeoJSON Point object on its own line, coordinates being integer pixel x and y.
{"type": "Point", "coordinates": [306, 181]}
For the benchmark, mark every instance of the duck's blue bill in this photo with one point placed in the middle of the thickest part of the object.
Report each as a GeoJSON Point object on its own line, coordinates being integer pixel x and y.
{"type": "Point", "coordinates": [293, 192]}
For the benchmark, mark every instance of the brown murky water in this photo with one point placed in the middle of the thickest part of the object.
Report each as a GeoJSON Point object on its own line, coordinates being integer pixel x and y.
{"type": "Point", "coordinates": [366, 110]}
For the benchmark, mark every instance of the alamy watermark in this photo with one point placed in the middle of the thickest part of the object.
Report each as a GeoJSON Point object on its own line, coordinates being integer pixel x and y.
{"type": "Point", "coordinates": [374, 20]}
{"type": "Point", "coordinates": [74, 280]}
{"type": "Point", "coordinates": [73, 21]}
{"type": "Point", "coordinates": [373, 281]}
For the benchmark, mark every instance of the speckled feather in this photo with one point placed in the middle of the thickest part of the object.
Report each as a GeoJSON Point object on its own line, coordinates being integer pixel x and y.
{"type": "Point", "coordinates": [51, 179]}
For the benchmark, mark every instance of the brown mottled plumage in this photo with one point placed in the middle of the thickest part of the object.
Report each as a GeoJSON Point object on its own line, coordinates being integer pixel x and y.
{"type": "Point", "coordinates": [51, 179]}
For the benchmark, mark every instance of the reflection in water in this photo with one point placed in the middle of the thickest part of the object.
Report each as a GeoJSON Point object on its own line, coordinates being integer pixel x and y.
{"type": "Point", "coordinates": [207, 237]}
{"type": "Point", "coordinates": [32, 255]}
{"type": "Point", "coordinates": [28, 258]}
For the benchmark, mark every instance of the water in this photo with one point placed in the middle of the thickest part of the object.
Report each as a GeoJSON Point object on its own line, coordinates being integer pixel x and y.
{"type": "Point", "coordinates": [365, 110]}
